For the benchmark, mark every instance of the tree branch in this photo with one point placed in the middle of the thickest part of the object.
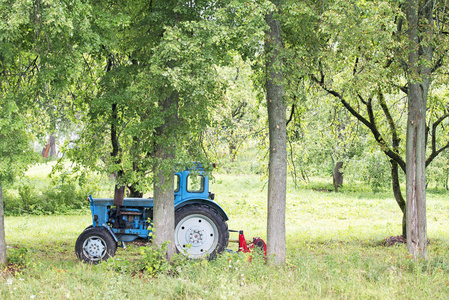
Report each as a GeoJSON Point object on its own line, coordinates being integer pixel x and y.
{"type": "Point", "coordinates": [361, 99]}
{"type": "Point", "coordinates": [291, 113]}
{"type": "Point", "coordinates": [439, 62]}
{"type": "Point", "coordinates": [436, 152]}
{"type": "Point", "coordinates": [371, 126]}
{"type": "Point", "coordinates": [354, 71]}
{"type": "Point", "coordinates": [395, 138]}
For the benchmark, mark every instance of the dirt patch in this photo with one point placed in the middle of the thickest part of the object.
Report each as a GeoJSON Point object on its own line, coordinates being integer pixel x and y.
{"type": "Point", "coordinates": [323, 190]}
{"type": "Point", "coordinates": [10, 270]}
{"type": "Point", "coordinates": [393, 240]}
{"type": "Point", "coordinates": [138, 243]}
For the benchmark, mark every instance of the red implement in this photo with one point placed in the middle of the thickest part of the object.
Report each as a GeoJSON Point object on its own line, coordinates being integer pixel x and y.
{"type": "Point", "coordinates": [249, 247]}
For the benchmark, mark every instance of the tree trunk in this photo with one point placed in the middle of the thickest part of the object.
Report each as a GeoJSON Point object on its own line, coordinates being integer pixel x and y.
{"type": "Point", "coordinates": [52, 142]}
{"type": "Point", "coordinates": [164, 208]}
{"type": "Point", "coordinates": [398, 195]}
{"type": "Point", "coordinates": [119, 189]}
{"type": "Point", "coordinates": [418, 86]}
{"type": "Point", "coordinates": [277, 181]}
{"type": "Point", "coordinates": [134, 192]}
{"type": "Point", "coordinates": [119, 196]}
{"type": "Point", "coordinates": [232, 151]}
{"type": "Point", "coordinates": [416, 173]}
{"type": "Point", "coordinates": [2, 230]}
{"type": "Point", "coordinates": [337, 176]}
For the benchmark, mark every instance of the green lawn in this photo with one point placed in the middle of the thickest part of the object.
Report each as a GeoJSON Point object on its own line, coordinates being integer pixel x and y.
{"type": "Point", "coordinates": [334, 244]}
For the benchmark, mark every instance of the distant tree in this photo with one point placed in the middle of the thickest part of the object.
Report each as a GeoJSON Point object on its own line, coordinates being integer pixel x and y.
{"type": "Point", "coordinates": [254, 30]}
{"type": "Point", "coordinates": [360, 60]}
{"type": "Point", "coordinates": [152, 80]}
{"type": "Point", "coordinates": [277, 169]}
{"type": "Point", "coordinates": [15, 152]}
{"type": "Point", "coordinates": [18, 68]}
{"type": "Point", "coordinates": [239, 119]}
{"type": "Point", "coordinates": [427, 23]}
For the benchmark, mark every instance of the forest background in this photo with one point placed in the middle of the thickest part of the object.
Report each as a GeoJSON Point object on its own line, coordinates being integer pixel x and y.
{"type": "Point", "coordinates": [103, 78]}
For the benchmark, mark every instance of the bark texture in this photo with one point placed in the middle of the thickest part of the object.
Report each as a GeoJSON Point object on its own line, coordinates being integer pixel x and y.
{"type": "Point", "coordinates": [418, 86]}
{"type": "Point", "coordinates": [164, 208]}
{"type": "Point", "coordinates": [119, 189]}
{"type": "Point", "coordinates": [396, 185]}
{"type": "Point", "coordinates": [278, 143]}
{"type": "Point", "coordinates": [337, 176]}
{"type": "Point", "coordinates": [52, 142]}
{"type": "Point", "coordinates": [416, 173]}
{"type": "Point", "coordinates": [164, 211]}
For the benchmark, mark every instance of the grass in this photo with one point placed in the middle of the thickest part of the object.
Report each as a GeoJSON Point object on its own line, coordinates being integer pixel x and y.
{"type": "Point", "coordinates": [334, 248]}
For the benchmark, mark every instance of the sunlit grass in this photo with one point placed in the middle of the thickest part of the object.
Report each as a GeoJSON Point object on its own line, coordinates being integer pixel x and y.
{"type": "Point", "coordinates": [334, 250]}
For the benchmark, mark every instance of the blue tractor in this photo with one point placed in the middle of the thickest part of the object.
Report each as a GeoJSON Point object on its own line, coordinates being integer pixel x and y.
{"type": "Point", "coordinates": [200, 223]}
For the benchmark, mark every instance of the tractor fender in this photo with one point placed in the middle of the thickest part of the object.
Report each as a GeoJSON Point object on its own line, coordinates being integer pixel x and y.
{"type": "Point", "coordinates": [108, 229]}
{"type": "Point", "coordinates": [210, 203]}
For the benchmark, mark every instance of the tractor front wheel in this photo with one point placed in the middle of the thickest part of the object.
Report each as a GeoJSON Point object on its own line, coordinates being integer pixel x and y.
{"type": "Point", "coordinates": [95, 244]}
{"type": "Point", "coordinates": [200, 231]}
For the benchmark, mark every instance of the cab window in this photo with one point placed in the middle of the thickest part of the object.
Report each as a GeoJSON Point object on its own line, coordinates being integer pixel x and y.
{"type": "Point", "coordinates": [177, 184]}
{"type": "Point", "coordinates": [195, 183]}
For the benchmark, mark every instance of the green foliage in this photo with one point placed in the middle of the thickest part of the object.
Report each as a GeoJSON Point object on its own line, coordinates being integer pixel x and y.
{"type": "Point", "coordinates": [151, 80]}
{"type": "Point", "coordinates": [72, 62]}
{"type": "Point", "coordinates": [374, 168]}
{"type": "Point", "coordinates": [437, 173]}
{"type": "Point", "coordinates": [40, 196]}
{"type": "Point", "coordinates": [379, 173]}
{"type": "Point", "coordinates": [153, 261]}
{"type": "Point", "coordinates": [238, 121]}
{"type": "Point", "coordinates": [355, 52]}
{"type": "Point", "coordinates": [19, 256]}
{"type": "Point", "coordinates": [15, 150]}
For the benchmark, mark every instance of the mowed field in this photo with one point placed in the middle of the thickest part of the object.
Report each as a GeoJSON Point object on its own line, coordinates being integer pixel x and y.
{"type": "Point", "coordinates": [334, 251]}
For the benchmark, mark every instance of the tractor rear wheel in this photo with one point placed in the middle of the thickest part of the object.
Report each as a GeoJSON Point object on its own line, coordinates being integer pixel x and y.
{"type": "Point", "coordinates": [95, 244]}
{"type": "Point", "coordinates": [200, 231]}
{"type": "Point", "coordinates": [88, 227]}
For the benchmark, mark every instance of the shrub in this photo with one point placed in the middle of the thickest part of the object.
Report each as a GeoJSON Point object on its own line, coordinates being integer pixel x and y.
{"type": "Point", "coordinates": [153, 260]}
{"type": "Point", "coordinates": [18, 256]}
{"type": "Point", "coordinates": [60, 194]}
{"type": "Point", "coordinates": [154, 263]}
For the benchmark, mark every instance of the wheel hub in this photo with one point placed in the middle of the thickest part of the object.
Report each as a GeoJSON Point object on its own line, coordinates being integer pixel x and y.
{"type": "Point", "coordinates": [195, 236]}
{"type": "Point", "coordinates": [95, 248]}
